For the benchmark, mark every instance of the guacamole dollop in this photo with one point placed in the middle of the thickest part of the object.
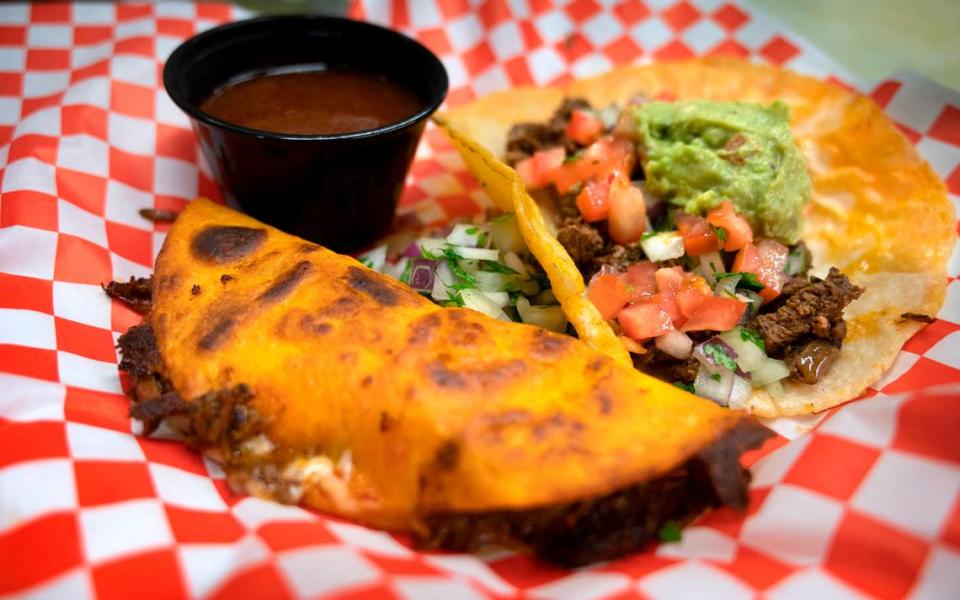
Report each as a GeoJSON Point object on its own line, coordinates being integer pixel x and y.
{"type": "Point", "coordinates": [698, 153]}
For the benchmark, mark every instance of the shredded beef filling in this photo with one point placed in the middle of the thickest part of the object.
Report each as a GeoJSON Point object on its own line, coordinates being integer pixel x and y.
{"type": "Point", "coordinates": [611, 526]}
{"type": "Point", "coordinates": [136, 293]}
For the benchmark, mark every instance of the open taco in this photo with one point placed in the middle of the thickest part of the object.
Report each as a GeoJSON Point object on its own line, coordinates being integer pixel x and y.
{"type": "Point", "coordinates": [764, 238]}
{"type": "Point", "coordinates": [314, 379]}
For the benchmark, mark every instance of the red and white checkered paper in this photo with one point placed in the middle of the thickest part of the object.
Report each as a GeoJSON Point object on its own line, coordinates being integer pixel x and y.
{"type": "Point", "coordinates": [865, 505]}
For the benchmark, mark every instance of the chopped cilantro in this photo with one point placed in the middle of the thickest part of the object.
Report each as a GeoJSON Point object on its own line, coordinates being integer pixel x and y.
{"type": "Point", "coordinates": [471, 230]}
{"type": "Point", "coordinates": [719, 355]}
{"type": "Point", "coordinates": [492, 266]}
{"type": "Point", "coordinates": [407, 270]}
{"type": "Point", "coordinates": [715, 377]}
{"type": "Point", "coordinates": [455, 298]}
{"type": "Point", "coordinates": [482, 240]}
{"type": "Point", "coordinates": [670, 532]}
{"type": "Point", "coordinates": [721, 233]}
{"type": "Point", "coordinates": [749, 335]}
{"type": "Point", "coordinates": [453, 259]}
{"type": "Point", "coordinates": [747, 280]}
{"type": "Point", "coordinates": [366, 262]}
{"type": "Point", "coordinates": [461, 286]}
{"type": "Point", "coordinates": [648, 234]}
{"type": "Point", "coordinates": [684, 386]}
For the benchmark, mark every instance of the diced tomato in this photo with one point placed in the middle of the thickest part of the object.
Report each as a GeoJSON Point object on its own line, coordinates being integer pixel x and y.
{"type": "Point", "coordinates": [640, 280]}
{"type": "Point", "coordinates": [689, 299]}
{"type": "Point", "coordinates": [668, 284]}
{"type": "Point", "coordinates": [737, 232]}
{"type": "Point", "coordinates": [628, 212]}
{"type": "Point", "coordinates": [747, 260]}
{"type": "Point", "coordinates": [538, 170]}
{"type": "Point", "coordinates": [600, 159]}
{"type": "Point", "coordinates": [773, 261]}
{"type": "Point", "coordinates": [584, 127]}
{"type": "Point", "coordinates": [645, 320]}
{"type": "Point", "coordinates": [594, 200]}
{"type": "Point", "coordinates": [715, 314]}
{"type": "Point", "coordinates": [698, 236]}
{"type": "Point", "coordinates": [609, 294]}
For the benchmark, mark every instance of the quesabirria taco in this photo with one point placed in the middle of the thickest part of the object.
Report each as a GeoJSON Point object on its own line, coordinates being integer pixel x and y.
{"type": "Point", "coordinates": [314, 379]}
{"type": "Point", "coordinates": [764, 239]}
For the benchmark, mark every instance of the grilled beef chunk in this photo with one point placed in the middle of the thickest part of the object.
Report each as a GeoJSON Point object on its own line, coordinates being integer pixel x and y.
{"type": "Point", "coordinates": [526, 138]}
{"type": "Point", "coordinates": [611, 526]}
{"type": "Point", "coordinates": [136, 293]}
{"type": "Point", "coordinates": [663, 366]}
{"type": "Point", "coordinates": [807, 310]}
{"type": "Point", "coordinates": [581, 241]}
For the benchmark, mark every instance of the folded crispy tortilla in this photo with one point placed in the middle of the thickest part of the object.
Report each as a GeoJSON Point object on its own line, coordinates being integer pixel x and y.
{"type": "Point", "coordinates": [315, 379]}
{"type": "Point", "coordinates": [879, 213]}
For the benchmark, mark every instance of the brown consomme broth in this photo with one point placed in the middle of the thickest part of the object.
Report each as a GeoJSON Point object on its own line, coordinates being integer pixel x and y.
{"type": "Point", "coordinates": [319, 101]}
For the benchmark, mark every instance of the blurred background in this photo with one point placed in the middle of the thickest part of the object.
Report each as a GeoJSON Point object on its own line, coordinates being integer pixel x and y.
{"type": "Point", "coordinates": [870, 38]}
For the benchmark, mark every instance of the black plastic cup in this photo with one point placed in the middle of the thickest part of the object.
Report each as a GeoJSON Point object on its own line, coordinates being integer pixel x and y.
{"type": "Point", "coordinates": [338, 190]}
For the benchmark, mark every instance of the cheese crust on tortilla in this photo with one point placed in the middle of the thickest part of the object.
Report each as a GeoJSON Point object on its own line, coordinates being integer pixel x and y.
{"type": "Point", "coordinates": [879, 213]}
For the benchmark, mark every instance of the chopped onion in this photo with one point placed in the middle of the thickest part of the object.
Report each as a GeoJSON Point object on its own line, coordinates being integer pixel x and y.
{"type": "Point", "coordinates": [547, 317]}
{"type": "Point", "coordinates": [501, 299]}
{"type": "Point", "coordinates": [608, 115]}
{"type": "Point", "coordinates": [675, 343]}
{"type": "Point", "coordinates": [505, 234]}
{"type": "Point", "coordinates": [715, 384]}
{"type": "Point", "coordinates": [479, 302]}
{"type": "Point", "coordinates": [375, 258]}
{"type": "Point", "coordinates": [423, 274]}
{"type": "Point", "coordinates": [493, 282]}
{"type": "Point", "coordinates": [432, 247]}
{"type": "Point", "coordinates": [413, 250]}
{"type": "Point", "coordinates": [752, 299]}
{"type": "Point", "coordinates": [476, 253]}
{"type": "Point", "coordinates": [465, 235]}
{"type": "Point", "coordinates": [769, 371]}
{"type": "Point", "coordinates": [727, 287]}
{"type": "Point", "coordinates": [396, 269]}
{"type": "Point", "coordinates": [444, 279]}
{"type": "Point", "coordinates": [710, 265]}
{"type": "Point", "coordinates": [513, 261]}
{"type": "Point", "coordinates": [740, 393]}
{"type": "Point", "coordinates": [663, 246]}
{"type": "Point", "coordinates": [749, 355]}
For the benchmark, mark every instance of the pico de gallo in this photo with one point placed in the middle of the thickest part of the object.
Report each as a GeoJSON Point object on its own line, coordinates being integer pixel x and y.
{"type": "Point", "coordinates": [684, 218]}
{"type": "Point", "coordinates": [483, 265]}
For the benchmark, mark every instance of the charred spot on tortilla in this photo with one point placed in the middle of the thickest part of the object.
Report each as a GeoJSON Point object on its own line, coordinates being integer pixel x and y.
{"type": "Point", "coordinates": [159, 216]}
{"type": "Point", "coordinates": [136, 293]}
{"type": "Point", "coordinates": [225, 244]}
{"type": "Point", "coordinates": [341, 307]}
{"type": "Point", "coordinates": [366, 381]}
{"type": "Point", "coordinates": [214, 337]}
{"type": "Point", "coordinates": [921, 318]}
{"type": "Point", "coordinates": [448, 455]}
{"type": "Point", "coordinates": [225, 278]}
{"type": "Point", "coordinates": [309, 248]}
{"type": "Point", "coordinates": [195, 290]}
{"type": "Point", "coordinates": [489, 375]}
{"type": "Point", "coordinates": [445, 377]}
{"type": "Point", "coordinates": [310, 324]}
{"type": "Point", "coordinates": [374, 287]}
{"type": "Point", "coordinates": [423, 329]}
{"type": "Point", "coordinates": [604, 401]}
{"type": "Point", "coordinates": [547, 344]}
{"type": "Point", "coordinates": [386, 422]}
{"type": "Point", "coordinates": [286, 283]}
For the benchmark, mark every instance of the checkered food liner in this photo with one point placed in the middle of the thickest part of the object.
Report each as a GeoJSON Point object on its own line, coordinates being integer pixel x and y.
{"type": "Point", "coordinates": [866, 504]}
